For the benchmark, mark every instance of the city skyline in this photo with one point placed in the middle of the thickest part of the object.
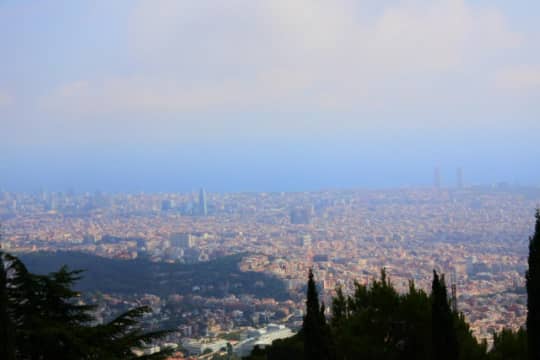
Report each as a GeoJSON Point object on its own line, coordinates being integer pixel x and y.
{"type": "Point", "coordinates": [479, 234]}
{"type": "Point", "coordinates": [441, 178]}
{"type": "Point", "coordinates": [200, 160]}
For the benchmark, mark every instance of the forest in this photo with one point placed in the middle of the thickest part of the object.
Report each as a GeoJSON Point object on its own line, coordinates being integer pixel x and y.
{"type": "Point", "coordinates": [213, 278]}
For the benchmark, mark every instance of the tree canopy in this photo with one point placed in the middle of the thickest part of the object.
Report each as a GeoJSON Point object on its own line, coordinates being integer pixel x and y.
{"type": "Point", "coordinates": [533, 292]}
{"type": "Point", "coordinates": [42, 318]}
{"type": "Point", "coordinates": [376, 322]}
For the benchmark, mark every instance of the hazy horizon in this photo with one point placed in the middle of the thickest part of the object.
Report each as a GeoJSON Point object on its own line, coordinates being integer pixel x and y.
{"type": "Point", "coordinates": [267, 96]}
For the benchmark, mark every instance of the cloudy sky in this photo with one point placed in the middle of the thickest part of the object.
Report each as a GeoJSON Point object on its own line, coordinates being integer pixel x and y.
{"type": "Point", "coordinates": [161, 95]}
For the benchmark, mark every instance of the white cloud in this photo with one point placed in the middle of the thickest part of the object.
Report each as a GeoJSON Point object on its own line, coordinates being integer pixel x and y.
{"type": "Point", "coordinates": [303, 54]}
{"type": "Point", "coordinates": [520, 78]}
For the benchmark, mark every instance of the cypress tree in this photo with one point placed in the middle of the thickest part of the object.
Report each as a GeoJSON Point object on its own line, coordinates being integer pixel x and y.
{"type": "Point", "coordinates": [509, 345]}
{"type": "Point", "coordinates": [444, 338]}
{"type": "Point", "coordinates": [327, 342]}
{"type": "Point", "coordinates": [533, 292]}
{"type": "Point", "coordinates": [7, 330]}
{"type": "Point", "coordinates": [339, 309]}
{"type": "Point", "coordinates": [314, 328]}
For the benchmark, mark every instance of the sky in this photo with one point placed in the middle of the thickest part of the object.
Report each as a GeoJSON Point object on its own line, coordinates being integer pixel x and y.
{"type": "Point", "coordinates": [280, 95]}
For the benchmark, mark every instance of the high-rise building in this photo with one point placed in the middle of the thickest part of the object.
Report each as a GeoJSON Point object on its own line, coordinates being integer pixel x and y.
{"type": "Point", "coordinates": [305, 240]}
{"type": "Point", "coordinates": [437, 178]}
{"type": "Point", "coordinates": [51, 204]}
{"type": "Point", "coordinates": [203, 209]}
{"type": "Point", "coordinates": [167, 204]}
{"type": "Point", "coordinates": [300, 216]}
{"type": "Point", "coordinates": [459, 178]}
{"type": "Point", "coordinates": [182, 240]}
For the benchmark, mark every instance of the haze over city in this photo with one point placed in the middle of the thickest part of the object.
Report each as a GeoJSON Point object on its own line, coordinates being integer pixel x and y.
{"type": "Point", "coordinates": [267, 96]}
{"type": "Point", "coordinates": [269, 179]}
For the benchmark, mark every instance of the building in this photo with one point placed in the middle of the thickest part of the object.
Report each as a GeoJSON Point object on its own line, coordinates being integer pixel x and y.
{"type": "Point", "coordinates": [262, 338]}
{"type": "Point", "coordinates": [300, 216]}
{"type": "Point", "coordinates": [203, 208]}
{"type": "Point", "coordinates": [196, 347]}
{"type": "Point", "coordinates": [168, 204]}
{"type": "Point", "coordinates": [182, 240]}
{"type": "Point", "coordinates": [305, 240]}
{"type": "Point", "coordinates": [459, 178]}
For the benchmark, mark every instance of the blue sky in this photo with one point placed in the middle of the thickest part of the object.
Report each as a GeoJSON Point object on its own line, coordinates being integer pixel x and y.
{"type": "Point", "coordinates": [164, 95]}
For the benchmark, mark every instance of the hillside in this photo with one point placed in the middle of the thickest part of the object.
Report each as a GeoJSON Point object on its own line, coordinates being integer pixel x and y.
{"type": "Point", "coordinates": [214, 278]}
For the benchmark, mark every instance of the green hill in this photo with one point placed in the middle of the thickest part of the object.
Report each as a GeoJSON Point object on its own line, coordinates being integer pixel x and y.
{"type": "Point", "coordinates": [214, 278]}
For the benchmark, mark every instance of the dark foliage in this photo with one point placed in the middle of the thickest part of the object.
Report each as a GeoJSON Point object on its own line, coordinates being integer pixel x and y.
{"type": "Point", "coordinates": [376, 323]}
{"type": "Point", "coordinates": [262, 353]}
{"type": "Point", "coordinates": [315, 331]}
{"type": "Point", "coordinates": [286, 349]}
{"type": "Point", "coordinates": [47, 321]}
{"type": "Point", "coordinates": [533, 292]}
{"type": "Point", "coordinates": [7, 328]}
{"type": "Point", "coordinates": [379, 323]}
{"type": "Point", "coordinates": [444, 339]}
{"type": "Point", "coordinates": [509, 345]}
{"type": "Point", "coordinates": [214, 278]}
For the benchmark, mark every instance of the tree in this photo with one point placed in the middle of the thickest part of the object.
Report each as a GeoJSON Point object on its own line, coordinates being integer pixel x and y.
{"type": "Point", "coordinates": [286, 349]}
{"type": "Point", "coordinates": [444, 338]}
{"type": "Point", "coordinates": [468, 346]}
{"type": "Point", "coordinates": [118, 338]}
{"type": "Point", "coordinates": [378, 323]}
{"type": "Point", "coordinates": [339, 309]}
{"type": "Point", "coordinates": [533, 292]}
{"type": "Point", "coordinates": [315, 331]}
{"type": "Point", "coordinates": [7, 329]}
{"type": "Point", "coordinates": [48, 322]}
{"type": "Point", "coordinates": [381, 324]}
{"type": "Point", "coordinates": [509, 345]}
{"type": "Point", "coordinates": [415, 314]}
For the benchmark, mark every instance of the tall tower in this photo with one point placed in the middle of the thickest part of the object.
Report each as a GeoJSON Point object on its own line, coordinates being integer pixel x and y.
{"type": "Point", "coordinates": [459, 178]}
{"type": "Point", "coordinates": [437, 178]}
{"type": "Point", "coordinates": [203, 209]}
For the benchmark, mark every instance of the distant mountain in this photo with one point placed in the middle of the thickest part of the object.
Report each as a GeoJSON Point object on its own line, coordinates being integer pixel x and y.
{"type": "Point", "coordinates": [214, 278]}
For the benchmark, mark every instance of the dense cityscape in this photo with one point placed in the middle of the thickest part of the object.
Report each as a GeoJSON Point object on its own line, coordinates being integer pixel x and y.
{"type": "Point", "coordinates": [269, 180]}
{"type": "Point", "coordinates": [478, 236]}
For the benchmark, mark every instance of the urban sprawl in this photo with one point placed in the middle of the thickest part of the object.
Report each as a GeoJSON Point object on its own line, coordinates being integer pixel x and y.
{"type": "Point", "coordinates": [477, 236]}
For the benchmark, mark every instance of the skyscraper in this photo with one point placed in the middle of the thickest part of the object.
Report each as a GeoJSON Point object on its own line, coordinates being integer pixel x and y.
{"type": "Point", "coordinates": [182, 240]}
{"type": "Point", "coordinates": [203, 210]}
{"type": "Point", "coordinates": [300, 216]}
{"type": "Point", "coordinates": [437, 178]}
{"type": "Point", "coordinates": [167, 204]}
{"type": "Point", "coordinates": [459, 178]}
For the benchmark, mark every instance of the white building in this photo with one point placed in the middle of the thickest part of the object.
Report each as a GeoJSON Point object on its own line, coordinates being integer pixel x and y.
{"type": "Point", "coordinates": [262, 338]}
{"type": "Point", "coordinates": [196, 347]}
